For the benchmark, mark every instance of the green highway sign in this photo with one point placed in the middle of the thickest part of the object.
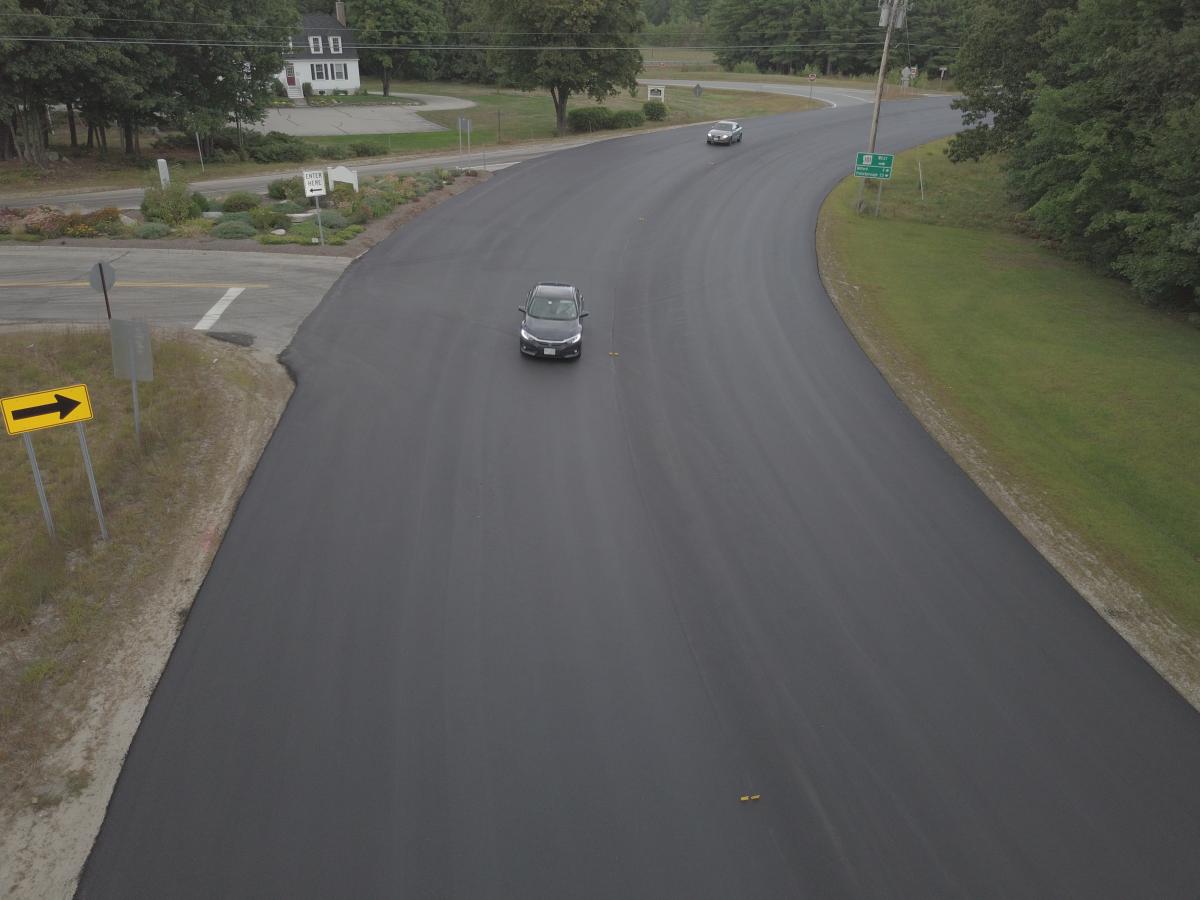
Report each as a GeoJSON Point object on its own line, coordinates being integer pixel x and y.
{"type": "Point", "coordinates": [874, 165]}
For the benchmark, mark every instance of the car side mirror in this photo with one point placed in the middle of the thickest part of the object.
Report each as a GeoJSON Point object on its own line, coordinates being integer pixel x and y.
{"type": "Point", "coordinates": [584, 315]}
{"type": "Point", "coordinates": [521, 309]}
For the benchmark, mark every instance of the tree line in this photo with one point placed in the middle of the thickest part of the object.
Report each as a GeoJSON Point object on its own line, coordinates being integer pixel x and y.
{"type": "Point", "coordinates": [1096, 106]}
{"type": "Point", "coordinates": [128, 64]}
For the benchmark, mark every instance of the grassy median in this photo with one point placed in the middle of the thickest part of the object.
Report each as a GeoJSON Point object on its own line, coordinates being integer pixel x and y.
{"type": "Point", "coordinates": [63, 601]}
{"type": "Point", "coordinates": [1083, 398]}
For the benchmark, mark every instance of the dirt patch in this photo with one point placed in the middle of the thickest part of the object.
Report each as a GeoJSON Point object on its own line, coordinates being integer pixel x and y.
{"type": "Point", "coordinates": [56, 790]}
{"type": "Point", "coordinates": [1170, 650]}
{"type": "Point", "coordinates": [375, 231]}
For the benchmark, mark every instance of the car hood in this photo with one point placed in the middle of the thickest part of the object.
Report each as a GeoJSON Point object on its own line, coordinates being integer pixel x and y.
{"type": "Point", "coordinates": [552, 329]}
{"type": "Point", "coordinates": [719, 131]}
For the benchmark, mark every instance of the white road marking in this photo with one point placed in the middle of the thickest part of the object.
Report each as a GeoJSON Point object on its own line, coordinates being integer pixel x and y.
{"type": "Point", "coordinates": [210, 317]}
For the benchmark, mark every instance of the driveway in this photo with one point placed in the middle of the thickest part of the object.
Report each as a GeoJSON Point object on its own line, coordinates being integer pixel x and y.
{"type": "Point", "coordinates": [313, 121]}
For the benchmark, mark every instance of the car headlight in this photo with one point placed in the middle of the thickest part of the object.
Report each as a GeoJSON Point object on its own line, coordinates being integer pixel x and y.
{"type": "Point", "coordinates": [527, 336]}
{"type": "Point", "coordinates": [575, 339]}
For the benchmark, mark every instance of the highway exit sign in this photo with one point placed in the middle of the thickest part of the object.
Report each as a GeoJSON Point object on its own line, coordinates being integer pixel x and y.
{"type": "Point", "coordinates": [874, 165]}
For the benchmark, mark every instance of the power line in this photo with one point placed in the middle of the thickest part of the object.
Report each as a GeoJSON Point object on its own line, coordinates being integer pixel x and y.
{"type": "Point", "coordinates": [295, 29]}
{"type": "Point", "coordinates": [252, 45]}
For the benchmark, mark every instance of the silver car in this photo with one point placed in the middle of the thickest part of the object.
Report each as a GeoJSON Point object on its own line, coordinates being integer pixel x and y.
{"type": "Point", "coordinates": [725, 132]}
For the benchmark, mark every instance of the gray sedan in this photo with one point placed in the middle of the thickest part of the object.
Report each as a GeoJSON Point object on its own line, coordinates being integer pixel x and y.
{"type": "Point", "coordinates": [725, 132]}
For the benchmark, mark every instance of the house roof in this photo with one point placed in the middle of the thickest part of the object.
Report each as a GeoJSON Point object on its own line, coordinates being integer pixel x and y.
{"type": "Point", "coordinates": [324, 26]}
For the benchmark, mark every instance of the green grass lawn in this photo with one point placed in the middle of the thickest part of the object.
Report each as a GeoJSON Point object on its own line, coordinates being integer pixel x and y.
{"type": "Point", "coordinates": [1086, 399]}
{"type": "Point", "coordinates": [500, 117]}
{"type": "Point", "coordinates": [517, 116]}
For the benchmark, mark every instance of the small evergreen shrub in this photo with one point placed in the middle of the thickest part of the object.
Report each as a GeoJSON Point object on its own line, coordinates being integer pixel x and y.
{"type": "Point", "coordinates": [234, 230]}
{"type": "Point", "coordinates": [241, 201]}
{"type": "Point", "coordinates": [367, 148]}
{"type": "Point", "coordinates": [171, 204]}
{"type": "Point", "coordinates": [152, 230]}
{"type": "Point", "coordinates": [200, 203]}
{"type": "Point", "coordinates": [589, 118]}
{"type": "Point", "coordinates": [264, 218]}
{"type": "Point", "coordinates": [655, 110]}
{"type": "Point", "coordinates": [627, 118]}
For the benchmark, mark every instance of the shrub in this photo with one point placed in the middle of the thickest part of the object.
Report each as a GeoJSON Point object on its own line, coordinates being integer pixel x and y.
{"type": "Point", "coordinates": [306, 89]}
{"type": "Point", "coordinates": [333, 151]}
{"type": "Point", "coordinates": [171, 204]}
{"type": "Point", "coordinates": [152, 230]}
{"type": "Point", "coordinates": [628, 118]}
{"type": "Point", "coordinates": [288, 206]}
{"type": "Point", "coordinates": [264, 219]}
{"type": "Point", "coordinates": [367, 148]}
{"type": "Point", "coordinates": [200, 203]}
{"type": "Point", "coordinates": [241, 201]}
{"type": "Point", "coordinates": [655, 110]}
{"type": "Point", "coordinates": [745, 67]}
{"type": "Point", "coordinates": [79, 230]}
{"type": "Point", "coordinates": [105, 221]}
{"type": "Point", "coordinates": [242, 216]}
{"type": "Point", "coordinates": [278, 89]}
{"type": "Point", "coordinates": [44, 221]}
{"type": "Point", "coordinates": [589, 118]}
{"type": "Point", "coordinates": [331, 218]}
{"type": "Point", "coordinates": [275, 146]}
{"type": "Point", "coordinates": [288, 188]}
{"type": "Point", "coordinates": [233, 230]}
{"type": "Point", "coordinates": [378, 205]}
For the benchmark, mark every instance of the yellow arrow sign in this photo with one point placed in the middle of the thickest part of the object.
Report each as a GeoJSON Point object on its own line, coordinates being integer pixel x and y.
{"type": "Point", "coordinates": [45, 409]}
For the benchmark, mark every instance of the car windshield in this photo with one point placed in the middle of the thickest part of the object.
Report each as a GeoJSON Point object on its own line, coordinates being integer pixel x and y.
{"type": "Point", "coordinates": [724, 126]}
{"type": "Point", "coordinates": [561, 308]}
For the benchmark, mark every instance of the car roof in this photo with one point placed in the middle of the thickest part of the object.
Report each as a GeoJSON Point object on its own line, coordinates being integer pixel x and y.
{"type": "Point", "coordinates": [555, 289]}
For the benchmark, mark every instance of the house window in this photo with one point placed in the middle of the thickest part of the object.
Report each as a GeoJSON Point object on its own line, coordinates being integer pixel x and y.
{"type": "Point", "coordinates": [314, 44]}
{"type": "Point", "coordinates": [320, 72]}
{"type": "Point", "coordinates": [339, 71]}
{"type": "Point", "coordinates": [335, 44]}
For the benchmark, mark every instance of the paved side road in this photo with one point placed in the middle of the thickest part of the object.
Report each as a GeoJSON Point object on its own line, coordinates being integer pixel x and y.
{"type": "Point", "coordinates": [257, 298]}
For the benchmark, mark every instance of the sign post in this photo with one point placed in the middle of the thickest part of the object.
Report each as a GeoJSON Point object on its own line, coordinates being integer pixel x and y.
{"type": "Point", "coordinates": [102, 275]}
{"type": "Point", "coordinates": [132, 359]}
{"type": "Point", "coordinates": [811, 78]}
{"type": "Point", "coordinates": [314, 186]}
{"type": "Point", "coordinates": [37, 482]}
{"type": "Point", "coordinates": [71, 405]}
{"type": "Point", "coordinates": [877, 166]}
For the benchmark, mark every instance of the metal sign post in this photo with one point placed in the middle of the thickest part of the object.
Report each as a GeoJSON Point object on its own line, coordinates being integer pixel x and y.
{"type": "Point", "coordinates": [460, 136]}
{"type": "Point", "coordinates": [200, 151]}
{"type": "Point", "coordinates": [37, 481]}
{"type": "Point", "coordinates": [468, 139]}
{"type": "Point", "coordinates": [314, 186]}
{"type": "Point", "coordinates": [87, 464]}
{"type": "Point", "coordinates": [101, 278]}
{"type": "Point", "coordinates": [47, 409]}
{"type": "Point", "coordinates": [132, 359]}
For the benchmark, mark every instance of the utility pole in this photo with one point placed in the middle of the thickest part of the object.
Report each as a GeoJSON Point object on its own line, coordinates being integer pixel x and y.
{"type": "Point", "coordinates": [893, 8]}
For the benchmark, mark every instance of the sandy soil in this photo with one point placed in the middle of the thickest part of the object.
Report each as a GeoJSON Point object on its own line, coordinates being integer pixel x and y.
{"type": "Point", "coordinates": [47, 832]}
{"type": "Point", "coordinates": [1171, 651]}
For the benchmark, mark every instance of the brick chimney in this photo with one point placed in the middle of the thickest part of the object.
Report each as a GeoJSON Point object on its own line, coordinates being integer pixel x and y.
{"type": "Point", "coordinates": [339, 10]}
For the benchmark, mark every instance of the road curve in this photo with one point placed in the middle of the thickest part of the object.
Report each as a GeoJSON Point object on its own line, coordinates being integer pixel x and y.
{"type": "Point", "coordinates": [486, 627]}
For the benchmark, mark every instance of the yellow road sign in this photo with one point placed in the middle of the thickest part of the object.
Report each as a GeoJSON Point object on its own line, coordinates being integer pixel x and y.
{"type": "Point", "coordinates": [45, 409]}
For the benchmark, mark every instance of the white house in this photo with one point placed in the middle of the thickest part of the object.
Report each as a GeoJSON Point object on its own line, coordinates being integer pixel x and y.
{"type": "Point", "coordinates": [322, 54]}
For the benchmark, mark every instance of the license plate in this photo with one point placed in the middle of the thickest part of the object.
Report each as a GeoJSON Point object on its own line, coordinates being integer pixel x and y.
{"type": "Point", "coordinates": [549, 351]}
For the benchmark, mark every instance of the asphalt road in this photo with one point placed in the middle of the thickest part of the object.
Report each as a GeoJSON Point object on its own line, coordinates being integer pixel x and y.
{"type": "Point", "coordinates": [483, 157]}
{"type": "Point", "coordinates": [268, 294]}
{"type": "Point", "coordinates": [492, 627]}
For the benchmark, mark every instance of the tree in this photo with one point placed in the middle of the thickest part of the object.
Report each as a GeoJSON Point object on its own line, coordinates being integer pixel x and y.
{"type": "Point", "coordinates": [1001, 51]}
{"type": "Point", "coordinates": [402, 27]}
{"type": "Point", "coordinates": [568, 47]}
